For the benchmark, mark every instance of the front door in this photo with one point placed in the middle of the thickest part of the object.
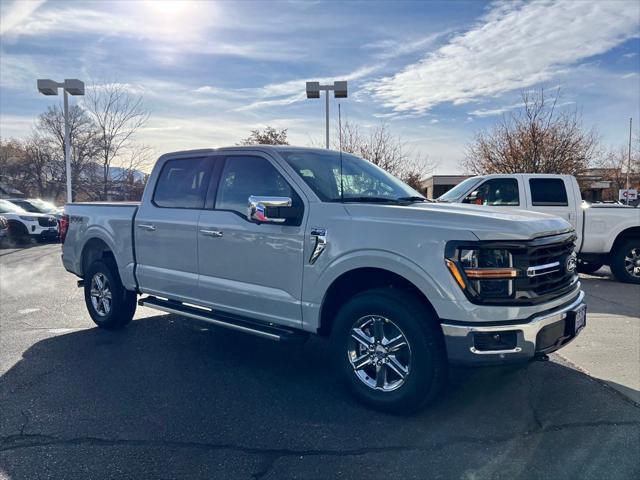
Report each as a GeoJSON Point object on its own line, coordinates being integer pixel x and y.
{"type": "Point", "coordinates": [166, 228]}
{"type": "Point", "coordinates": [247, 268]}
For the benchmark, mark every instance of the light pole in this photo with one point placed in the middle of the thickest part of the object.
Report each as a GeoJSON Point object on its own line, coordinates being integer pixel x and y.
{"type": "Point", "coordinates": [339, 91]}
{"type": "Point", "coordinates": [70, 86]}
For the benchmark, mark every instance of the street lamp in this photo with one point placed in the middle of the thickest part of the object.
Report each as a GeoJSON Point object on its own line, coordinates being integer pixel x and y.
{"type": "Point", "coordinates": [70, 86]}
{"type": "Point", "coordinates": [339, 91]}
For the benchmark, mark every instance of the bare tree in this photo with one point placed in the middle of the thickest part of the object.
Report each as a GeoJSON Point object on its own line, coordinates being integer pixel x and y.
{"type": "Point", "coordinates": [266, 136]}
{"type": "Point", "coordinates": [118, 115]}
{"type": "Point", "coordinates": [538, 138]}
{"type": "Point", "coordinates": [49, 135]}
{"type": "Point", "coordinates": [386, 150]}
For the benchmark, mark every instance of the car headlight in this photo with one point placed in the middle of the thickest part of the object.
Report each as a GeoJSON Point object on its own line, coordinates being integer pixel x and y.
{"type": "Point", "coordinates": [28, 219]}
{"type": "Point", "coordinates": [486, 272]}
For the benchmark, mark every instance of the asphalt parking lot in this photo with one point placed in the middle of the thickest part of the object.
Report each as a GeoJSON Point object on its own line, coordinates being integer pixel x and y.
{"type": "Point", "coordinates": [173, 398]}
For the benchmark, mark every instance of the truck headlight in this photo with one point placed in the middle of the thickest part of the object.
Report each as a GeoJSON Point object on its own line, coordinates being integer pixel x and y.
{"type": "Point", "coordinates": [485, 272]}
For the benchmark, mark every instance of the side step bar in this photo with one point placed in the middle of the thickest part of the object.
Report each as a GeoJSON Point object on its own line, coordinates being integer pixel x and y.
{"type": "Point", "coordinates": [264, 330]}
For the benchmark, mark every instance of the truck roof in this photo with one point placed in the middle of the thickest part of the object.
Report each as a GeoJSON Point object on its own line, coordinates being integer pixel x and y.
{"type": "Point", "coordinates": [277, 148]}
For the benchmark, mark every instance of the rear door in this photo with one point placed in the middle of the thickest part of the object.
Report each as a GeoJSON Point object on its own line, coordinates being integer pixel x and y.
{"type": "Point", "coordinates": [553, 195]}
{"type": "Point", "coordinates": [247, 268]}
{"type": "Point", "coordinates": [166, 226]}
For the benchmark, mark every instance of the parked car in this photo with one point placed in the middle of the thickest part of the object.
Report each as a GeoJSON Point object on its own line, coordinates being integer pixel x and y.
{"type": "Point", "coordinates": [608, 234]}
{"type": "Point", "coordinates": [4, 230]}
{"type": "Point", "coordinates": [37, 205]}
{"type": "Point", "coordinates": [24, 225]}
{"type": "Point", "coordinates": [284, 242]}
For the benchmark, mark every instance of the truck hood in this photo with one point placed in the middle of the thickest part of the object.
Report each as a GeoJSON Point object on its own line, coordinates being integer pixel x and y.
{"type": "Point", "coordinates": [486, 223]}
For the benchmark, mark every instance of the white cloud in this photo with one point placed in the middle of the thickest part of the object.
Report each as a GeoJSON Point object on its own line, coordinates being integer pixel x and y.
{"type": "Point", "coordinates": [284, 93]}
{"type": "Point", "coordinates": [15, 13]}
{"type": "Point", "coordinates": [515, 45]}
{"type": "Point", "coordinates": [392, 48]}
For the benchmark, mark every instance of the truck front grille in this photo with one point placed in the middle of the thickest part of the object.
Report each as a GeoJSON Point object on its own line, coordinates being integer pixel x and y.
{"type": "Point", "coordinates": [47, 221]}
{"type": "Point", "coordinates": [543, 267]}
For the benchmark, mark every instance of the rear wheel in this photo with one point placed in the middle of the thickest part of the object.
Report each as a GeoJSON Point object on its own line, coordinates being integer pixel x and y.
{"type": "Point", "coordinates": [110, 305]}
{"type": "Point", "coordinates": [625, 261]}
{"type": "Point", "coordinates": [389, 350]}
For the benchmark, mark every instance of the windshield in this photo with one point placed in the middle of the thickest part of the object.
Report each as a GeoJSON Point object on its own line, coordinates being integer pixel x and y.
{"type": "Point", "coordinates": [26, 206]}
{"type": "Point", "coordinates": [361, 180]}
{"type": "Point", "coordinates": [42, 205]}
{"type": "Point", "coordinates": [8, 207]}
{"type": "Point", "coordinates": [458, 190]}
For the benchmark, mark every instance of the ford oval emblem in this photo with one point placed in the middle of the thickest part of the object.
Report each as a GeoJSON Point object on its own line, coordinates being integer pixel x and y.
{"type": "Point", "coordinates": [572, 262]}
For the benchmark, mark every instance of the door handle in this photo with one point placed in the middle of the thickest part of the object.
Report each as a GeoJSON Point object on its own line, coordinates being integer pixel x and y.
{"type": "Point", "coordinates": [148, 227]}
{"type": "Point", "coordinates": [211, 233]}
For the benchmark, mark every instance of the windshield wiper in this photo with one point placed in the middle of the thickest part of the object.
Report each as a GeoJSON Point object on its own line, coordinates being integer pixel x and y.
{"type": "Point", "coordinates": [368, 200]}
{"type": "Point", "coordinates": [414, 199]}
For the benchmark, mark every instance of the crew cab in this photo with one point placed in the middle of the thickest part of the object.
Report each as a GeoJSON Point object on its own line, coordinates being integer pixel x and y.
{"type": "Point", "coordinates": [25, 225]}
{"type": "Point", "coordinates": [285, 242]}
{"type": "Point", "coordinates": [608, 234]}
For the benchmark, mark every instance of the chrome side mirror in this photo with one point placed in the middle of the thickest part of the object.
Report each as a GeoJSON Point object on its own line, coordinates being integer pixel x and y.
{"type": "Point", "coordinates": [267, 209]}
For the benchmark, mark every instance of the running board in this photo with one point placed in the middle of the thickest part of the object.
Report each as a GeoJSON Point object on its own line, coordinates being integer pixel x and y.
{"type": "Point", "coordinates": [264, 330]}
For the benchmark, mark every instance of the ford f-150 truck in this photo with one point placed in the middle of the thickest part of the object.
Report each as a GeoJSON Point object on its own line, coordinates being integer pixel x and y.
{"type": "Point", "coordinates": [284, 242]}
{"type": "Point", "coordinates": [608, 234]}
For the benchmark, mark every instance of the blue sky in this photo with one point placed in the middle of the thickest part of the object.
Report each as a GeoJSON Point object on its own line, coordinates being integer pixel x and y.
{"type": "Point", "coordinates": [436, 72]}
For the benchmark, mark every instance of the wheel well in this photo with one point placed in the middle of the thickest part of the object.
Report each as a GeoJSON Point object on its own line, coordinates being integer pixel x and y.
{"type": "Point", "coordinates": [94, 249]}
{"type": "Point", "coordinates": [633, 232]}
{"type": "Point", "coordinates": [17, 226]}
{"type": "Point", "coordinates": [355, 281]}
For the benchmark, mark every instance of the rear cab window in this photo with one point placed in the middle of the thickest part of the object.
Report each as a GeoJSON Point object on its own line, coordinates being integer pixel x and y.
{"type": "Point", "coordinates": [548, 192]}
{"type": "Point", "coordinates": [183, 183]}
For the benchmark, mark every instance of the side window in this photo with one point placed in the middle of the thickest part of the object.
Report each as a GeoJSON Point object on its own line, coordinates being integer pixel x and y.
{"type": "Point", "coordinates": [496, 192]}
{"type": "Point", "coordinates": [548, 192]}
{"type": "Point", "coordinates": [183, 183]}
{"type": "Point", "coordinates": [245, 176]}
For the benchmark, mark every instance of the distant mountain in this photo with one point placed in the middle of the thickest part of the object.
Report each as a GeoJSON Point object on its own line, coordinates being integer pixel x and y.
{"type": "Point", "coordinates": [117, 173]}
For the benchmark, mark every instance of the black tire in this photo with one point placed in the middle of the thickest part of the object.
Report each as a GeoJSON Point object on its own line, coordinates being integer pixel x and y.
{"type": "Point", "coordinates": [627, 249]}
{"type": "Point", "coordinates": [588, 267]}
{"type": "Point", "coordinates": [428, 367]}
{"type": "Point", "coordinates": [18, 233]}
{"type": "Point", "coordinates": [122, 305]}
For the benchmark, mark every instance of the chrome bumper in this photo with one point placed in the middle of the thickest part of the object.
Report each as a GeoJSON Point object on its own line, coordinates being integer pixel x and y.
{"type": "Point", "coordinates": [460, 341]}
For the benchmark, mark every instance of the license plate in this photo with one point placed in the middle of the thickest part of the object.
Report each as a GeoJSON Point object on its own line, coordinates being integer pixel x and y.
{"type": "Point", "coordinates": [580, 318]}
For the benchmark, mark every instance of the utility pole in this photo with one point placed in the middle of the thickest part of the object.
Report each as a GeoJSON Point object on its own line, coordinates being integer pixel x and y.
{"type": "Point", "coordinates": [339, 91]}
{"type": "Point", "coordinates": [629, 159]}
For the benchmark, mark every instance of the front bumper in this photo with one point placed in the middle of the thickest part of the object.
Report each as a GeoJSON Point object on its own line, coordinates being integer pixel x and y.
{"type": "Point", "coordinates": [526, 338]}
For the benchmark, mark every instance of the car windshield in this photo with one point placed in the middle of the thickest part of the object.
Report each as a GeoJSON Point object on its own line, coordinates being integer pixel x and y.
{"type": "Point", "coordinates": [458, 190]}
{"type": "Point", "coordinates": [41, 205]}
{"type": "Point", "coordinates": [8, 207]}
{"type": "Point", "coordinates": [361, 181]}
{"type": "Point", "coordinates": [29, 207]}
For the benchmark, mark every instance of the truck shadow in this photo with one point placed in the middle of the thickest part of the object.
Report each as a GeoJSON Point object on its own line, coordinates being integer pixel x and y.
{"type": "Point", "coordinates": [180, 394]}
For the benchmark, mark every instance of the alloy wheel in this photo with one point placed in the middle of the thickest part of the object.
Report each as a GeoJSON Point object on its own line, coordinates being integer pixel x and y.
{"type": "Point", "coordinates": [101, 294]}
{"type": "Point", "coordinates": [379, 353]}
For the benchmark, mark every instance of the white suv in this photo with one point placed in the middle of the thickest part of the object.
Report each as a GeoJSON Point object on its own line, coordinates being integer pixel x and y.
{"type": "Point", "coordinates": [24, 225]}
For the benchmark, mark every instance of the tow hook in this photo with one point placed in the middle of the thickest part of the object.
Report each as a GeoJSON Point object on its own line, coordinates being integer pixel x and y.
{"type": "Point", "coordinates": [541, 357]}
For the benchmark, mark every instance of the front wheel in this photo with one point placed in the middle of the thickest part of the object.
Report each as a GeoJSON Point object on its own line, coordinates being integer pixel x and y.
{"type": "Point", "coordinates": [110, 305]}
{"type": "Point", "coordinates": [389, 350]}
{"type": "Point", "coordinates": [625, 261]}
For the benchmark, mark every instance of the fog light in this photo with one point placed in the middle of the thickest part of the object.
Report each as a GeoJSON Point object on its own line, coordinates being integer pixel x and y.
{"type": "Point", "coordinates": [495, 341]}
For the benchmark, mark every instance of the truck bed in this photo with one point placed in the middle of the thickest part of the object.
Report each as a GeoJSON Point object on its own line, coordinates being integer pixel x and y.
{"type": "Point", "coordinates": [108, 222]}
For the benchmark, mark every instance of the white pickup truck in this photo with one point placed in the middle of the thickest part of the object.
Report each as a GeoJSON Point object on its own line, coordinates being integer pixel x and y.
{"type": "Point", "coordinates": [283, 242]}
{"type": "Point", "coordinates": [607, 234]}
